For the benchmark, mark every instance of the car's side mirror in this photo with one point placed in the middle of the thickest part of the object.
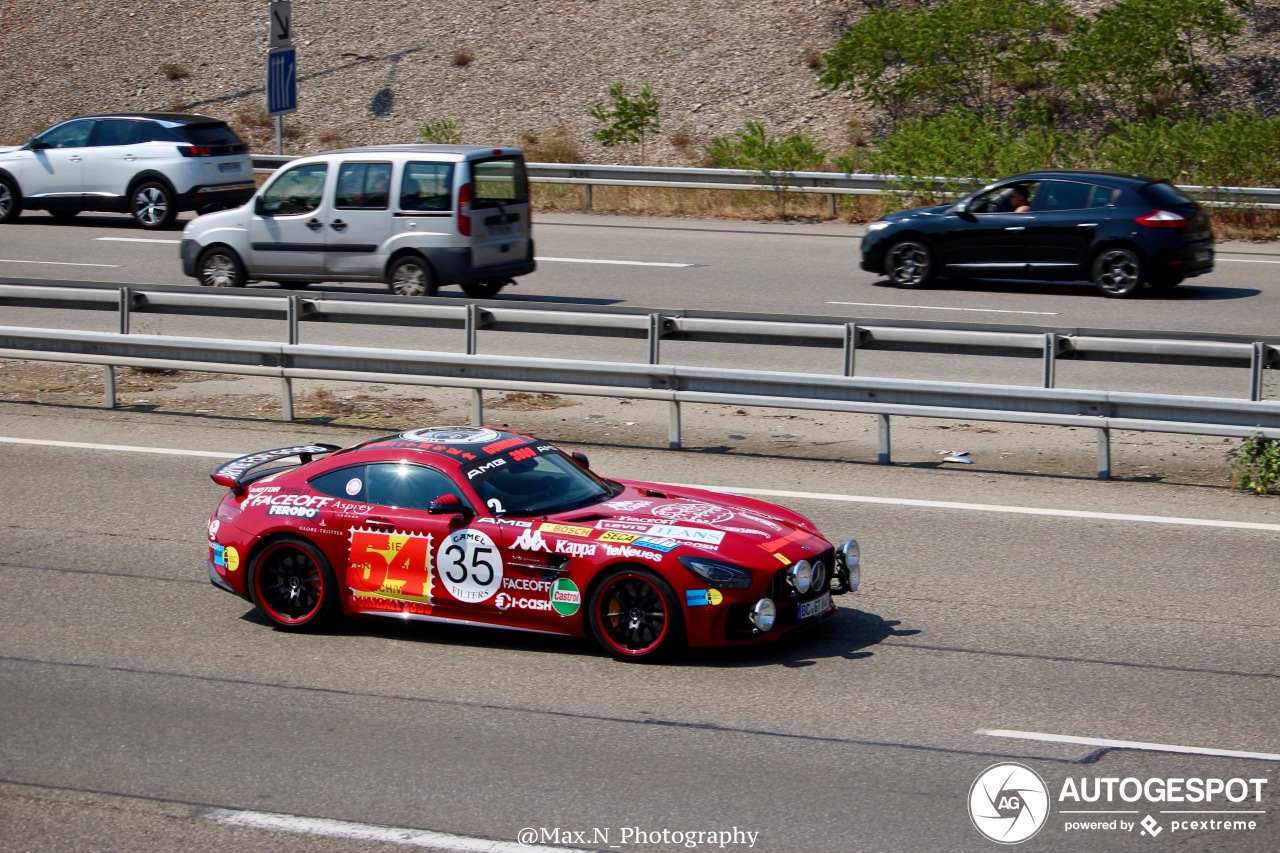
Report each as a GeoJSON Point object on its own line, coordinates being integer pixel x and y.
{"type": "Point", "coordinates": [448, 504]}
{"type": "Point", "coordinates": [259, 207]}
{"type": "Point", "coordinates": [959, 208]}
{"type": "Point", "coordinates": [37, 145]}
{"type": "Point", "coordinates": [581, 458]}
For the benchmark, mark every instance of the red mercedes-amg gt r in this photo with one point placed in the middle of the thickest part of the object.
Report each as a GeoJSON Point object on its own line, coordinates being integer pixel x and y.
{"type": "Point", "coordinates": [478, 526]}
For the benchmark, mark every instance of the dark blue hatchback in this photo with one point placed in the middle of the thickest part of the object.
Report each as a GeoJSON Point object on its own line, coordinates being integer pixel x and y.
{"type": "Point", "coordinates": [1118, 231]}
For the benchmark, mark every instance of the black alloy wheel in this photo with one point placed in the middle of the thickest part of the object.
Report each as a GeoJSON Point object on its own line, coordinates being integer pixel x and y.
{"type": "Point", "coordinates": [634, 615]}
{"type": "Point", "coordinates": [293, 586]}
{"type": "Point", "coordinates": [1117, 272]}
{"type": "Point", "coordinates": [909, 263]}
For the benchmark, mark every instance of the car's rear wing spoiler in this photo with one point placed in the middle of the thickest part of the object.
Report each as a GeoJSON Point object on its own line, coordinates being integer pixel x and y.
{"type": "Point", "coordinates": [235, 474]}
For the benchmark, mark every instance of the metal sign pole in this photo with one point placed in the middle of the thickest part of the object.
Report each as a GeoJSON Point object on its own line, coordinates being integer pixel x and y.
{"type": "Point", "coordinates": [279, 136]}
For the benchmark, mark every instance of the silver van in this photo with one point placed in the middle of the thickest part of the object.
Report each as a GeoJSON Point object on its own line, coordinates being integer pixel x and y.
{"type": "Point", "coordinates": [417, 217]}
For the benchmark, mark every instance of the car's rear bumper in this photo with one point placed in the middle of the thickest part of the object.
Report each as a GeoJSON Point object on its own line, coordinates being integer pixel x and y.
{"type": "Point", "coordinates": [454, 266]}
{"type": "Point", "coordinates": [217, 196]}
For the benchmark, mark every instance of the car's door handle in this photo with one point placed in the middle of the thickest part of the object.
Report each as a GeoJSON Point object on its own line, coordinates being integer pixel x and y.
{"type": "Point", "coordinates": [315, 225]}
{"type": "Point", "coordinates": [75, 158]}
{"type": "Point", "coordinates": [1016, 228]}
{"type": "Point", "coordinates": [130, 157]}
{"type": "Point", "coordinates": [380, 522]}
{"type": "Point", "coordinates": [338, 225]}
{"type": "Point", "coordinates": [1087, 225]}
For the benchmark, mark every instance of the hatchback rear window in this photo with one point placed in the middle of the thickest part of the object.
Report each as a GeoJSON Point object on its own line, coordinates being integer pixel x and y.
{"type": "Point", "coordinates": [499, 181]}
{"type": "Point", "coordinates": [214, 135]}
{"type": "Point", "coordinates": [1166, 195]}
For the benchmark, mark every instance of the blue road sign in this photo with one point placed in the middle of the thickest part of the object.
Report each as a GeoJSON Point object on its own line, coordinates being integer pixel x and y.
{"type": "Point", "coordinates": [282, 81]}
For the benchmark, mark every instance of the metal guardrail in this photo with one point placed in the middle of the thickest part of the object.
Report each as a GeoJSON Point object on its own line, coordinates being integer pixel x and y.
{"type": "Point", "coordinates": [831, 184]}
{"type": "Point", "coordinates": [1049, 345]}
{"type": "Point", "coordinates": [1101, 410]}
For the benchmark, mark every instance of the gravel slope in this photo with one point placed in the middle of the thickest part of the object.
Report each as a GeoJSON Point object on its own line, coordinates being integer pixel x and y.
{"type": "Point", "coordinates": [372, 71]}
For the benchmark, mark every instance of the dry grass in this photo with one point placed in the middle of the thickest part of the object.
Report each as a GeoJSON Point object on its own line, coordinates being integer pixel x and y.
{"type": "Point", "coordinates": [715, 204]}
{"type": "Point", "coordinates": [1245, 224]}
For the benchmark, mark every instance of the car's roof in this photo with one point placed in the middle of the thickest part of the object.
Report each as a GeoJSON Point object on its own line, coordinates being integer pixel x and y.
{"type": "Point", "coordinates": [459, 151]}
{"type": "Point", "coordinates": [177, 118]}
{"type": "Point", "coordinates": [1085, 174]}
{"type": "Point", "coordinates": [457, 443]}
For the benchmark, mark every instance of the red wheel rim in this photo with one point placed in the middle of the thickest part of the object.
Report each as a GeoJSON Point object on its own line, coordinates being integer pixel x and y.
{"type": "Point", "coordinates": [289, 584]}
{"type": "Point", "coordinates": [632, 615]}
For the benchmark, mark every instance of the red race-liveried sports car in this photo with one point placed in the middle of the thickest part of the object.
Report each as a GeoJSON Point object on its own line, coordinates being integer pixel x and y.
{"type": "Point", "coordinates": [478, 526]}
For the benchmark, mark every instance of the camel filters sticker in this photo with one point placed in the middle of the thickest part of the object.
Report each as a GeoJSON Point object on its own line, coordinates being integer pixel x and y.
{"type": "Point", "coordinates": [565, 597]}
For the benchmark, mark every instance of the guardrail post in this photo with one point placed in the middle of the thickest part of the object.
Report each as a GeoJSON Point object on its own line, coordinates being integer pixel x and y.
{"type": "Point", "coordinates": [477, 394]}
{"type": "Point", "coordinates": [655, 338]}
{"type": "Point", "coordinates": [1104, 453]}
{"type": "Point", "coordinates": [286, 382]}
{"type": "Point", "coordinates": [673, 426]}
{"type": "Point", "coordinates": [883, 455]}
{"type": "Point", "coordinates": [108, 387]}
{"type": "Point", "coordinates": [831, 205]}
{"type": "Point", "coordinates": [1050, 359]}
{"type": "Point", "coordinates": [126, 307]}
{"type": "Point", "coordinates": [1257, 370]}
{"type": "Point", "coordinates": [586, 196]}
{"type": "Point", "coordinates": [850, 346]}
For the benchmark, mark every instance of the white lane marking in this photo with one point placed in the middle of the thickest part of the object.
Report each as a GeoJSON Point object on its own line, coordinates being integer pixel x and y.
{"type": "Point", "coordinates": [137, 240]}
{"type": "Point", "coordinates": [372, 832]}
{"type": "Point", "coordinates": [53, 263]}
{"type": "Point", "coordinates": [621, 263]}
{"type": "Point", "coordinates": [945, 308]}
{"type": "Point", "coordinates": [1246, 261]}
{"type": "Point", "coordinates": [1015, 510]}
{"type": "Point", "coordinates": [778, 493]}
{"type": "Point", "coordinates": [120, 448]}
{"type": "Point", "coordinates": [1129, 744]}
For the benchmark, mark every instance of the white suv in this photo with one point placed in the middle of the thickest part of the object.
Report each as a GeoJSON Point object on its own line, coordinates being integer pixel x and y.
{"type": "Point", "coordinates": [416, 217]}
{"type": "Point", "coordinates": [152, 165]}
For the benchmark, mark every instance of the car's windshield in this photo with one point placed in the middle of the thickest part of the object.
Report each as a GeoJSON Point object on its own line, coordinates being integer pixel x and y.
{"type": "Point", "coordinates": [542, 481]}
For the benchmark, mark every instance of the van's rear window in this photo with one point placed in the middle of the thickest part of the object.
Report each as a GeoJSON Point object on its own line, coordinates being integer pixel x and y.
{"type": "Point", "coordinates": [499, 180]}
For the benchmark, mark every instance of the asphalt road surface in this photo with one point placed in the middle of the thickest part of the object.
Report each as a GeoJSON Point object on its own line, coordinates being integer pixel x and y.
{"type": "Point", "coordinates": [772, 268]}
{"type": "Point", "coordinates": [141, 709]}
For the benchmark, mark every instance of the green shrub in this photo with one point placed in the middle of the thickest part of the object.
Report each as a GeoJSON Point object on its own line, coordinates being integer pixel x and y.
{"type": "Point", "coordinates": [442, 132]}
{"type": "Point", "coordinates": [1256, 464]}
{"type": "Point", "coordinates": [626, 120]}
{"type": "Point", "coordinates": [755, 150]}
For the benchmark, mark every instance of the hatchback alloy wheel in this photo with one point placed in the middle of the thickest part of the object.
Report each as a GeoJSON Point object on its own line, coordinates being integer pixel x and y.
{"type": "Point", "coordinates": [1117, 272]}
{"type": "Point", "coordinates": [909, 264]}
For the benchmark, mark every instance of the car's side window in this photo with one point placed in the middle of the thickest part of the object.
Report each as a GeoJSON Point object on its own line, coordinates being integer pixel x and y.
{"type": "Point", "coordinates": [1063, 195]}
{"type": "Point", "coordinates": [363, 186]}
{"type": "Point", "coordinates": [73, 134]}
{"type": "Point", "coordinates": [999, 200]}
{"type": "Point", "coordinates": [116, 132]}
{"type": "Point", "coordinates": [405, 486]}
{"type": "Point", "coordinates": [297, 190]}
{"type": "Point", "coordinates": [427, 187]}
{"type": "Point", "coordinates": [346, 483]}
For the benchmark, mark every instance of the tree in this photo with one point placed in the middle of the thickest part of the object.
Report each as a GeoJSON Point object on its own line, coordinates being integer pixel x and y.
{"type": "Point", "coordinates": [1144, 56]}
{"type": "Point", "coordinates": [963, 53]}
{"type": "Point", "coordinates": [628, 120]}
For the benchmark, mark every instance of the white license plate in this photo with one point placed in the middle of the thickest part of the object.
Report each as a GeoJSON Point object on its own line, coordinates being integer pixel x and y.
{"type": "Point", "coordinates": [1203, 254]}
{"type": "Point", "coordinates": [502, 230]}
{"type": "Point", "coordinates": [810, 609]}
{"type": "Point", "coordinates": [228, 167]}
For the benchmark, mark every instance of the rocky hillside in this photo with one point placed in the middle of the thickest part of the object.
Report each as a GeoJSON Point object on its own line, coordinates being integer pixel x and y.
{"type": "Point", "coordinates": [372, 71]}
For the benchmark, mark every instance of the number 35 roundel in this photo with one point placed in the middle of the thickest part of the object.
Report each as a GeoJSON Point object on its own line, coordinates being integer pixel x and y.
{"type": "Point", "coordinates": [470, 566]}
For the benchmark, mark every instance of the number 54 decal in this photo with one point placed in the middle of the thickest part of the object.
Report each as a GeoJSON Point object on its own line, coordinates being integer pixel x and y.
{"type": "Point", "coordinates": [387, 564]}
{"type": "Point", "coordinates": [470, 566]}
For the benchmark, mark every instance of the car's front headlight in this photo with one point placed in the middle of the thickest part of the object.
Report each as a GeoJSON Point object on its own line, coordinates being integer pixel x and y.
{"type": "Point", "coordinates": [717, 573]}
{"type": "Point", "coordinates": [876, 226]}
